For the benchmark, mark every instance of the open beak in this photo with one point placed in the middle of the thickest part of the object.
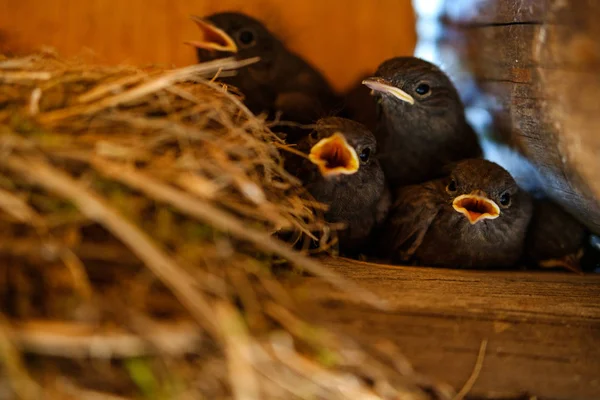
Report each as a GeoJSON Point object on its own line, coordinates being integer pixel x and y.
{"type": "Point", "coordinates": [213, 37]}
{"type": "Point", "coordinates": [334, 156]}
{"type": "Point", "coordinates": [382, 86]}
{"type": "Point", "coordinates": [476, 207]}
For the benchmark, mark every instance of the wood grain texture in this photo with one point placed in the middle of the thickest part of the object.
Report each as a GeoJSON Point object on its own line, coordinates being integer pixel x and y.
{"type": "Point", "coordinates": [543, 328]}
{"type": "Point", "coordinates": [536, 67]}
{"type": "Point", "coordinates": [494, 12]}
{"type": "Point", "coordinates": [344, 39]}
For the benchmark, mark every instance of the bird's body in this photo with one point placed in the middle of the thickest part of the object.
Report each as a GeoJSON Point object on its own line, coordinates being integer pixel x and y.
{"type": "Point", "coordinates": [280, 82]}
{"type": "Point", "coordinates": [421, 121]}
{"type": "Point", "coordinates": [554, 237]}
{"type": "Point", "coordinates": [475, 217]}
{"type": "Point", "coordinates": [360, 199]}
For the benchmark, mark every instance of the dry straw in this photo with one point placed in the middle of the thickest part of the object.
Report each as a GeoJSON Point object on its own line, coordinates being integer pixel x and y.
{"type": "Point", "coordinates": [140, 211]}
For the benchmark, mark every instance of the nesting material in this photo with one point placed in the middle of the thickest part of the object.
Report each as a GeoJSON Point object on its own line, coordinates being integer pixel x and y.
{"type": "Point", "coordinates": [138, 209]}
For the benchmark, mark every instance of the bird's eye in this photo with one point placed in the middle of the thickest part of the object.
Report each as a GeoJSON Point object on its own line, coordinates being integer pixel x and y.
{"type": "Point", "coordinates": [451, 188]}
{"type": "Point", "coordinates": [422, 89]}
{"type": "Point", "coordinates": [364, 155]}
{"type": "Point", "coordinates": [246, 38]}
{"type": "Point", "coordinates": [505, 199]}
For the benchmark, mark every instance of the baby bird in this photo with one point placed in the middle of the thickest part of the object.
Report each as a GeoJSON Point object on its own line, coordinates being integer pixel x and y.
{"type": "Point", "coordinates": [280, 81]}
{"type": "Point", "coordinates": [342, 171]}
{"type": "Point", "coordinates": [421, 121]}
{"type": "Point", "coordinates": [474, 217]}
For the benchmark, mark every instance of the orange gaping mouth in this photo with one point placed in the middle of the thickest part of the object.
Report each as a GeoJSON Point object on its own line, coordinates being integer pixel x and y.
{"type": "Point", "coordinates": [334, 156]}
{"type": "Point", "coordinates": [213, 38]}
{"type": "Point", "coordinates": [476, 208]}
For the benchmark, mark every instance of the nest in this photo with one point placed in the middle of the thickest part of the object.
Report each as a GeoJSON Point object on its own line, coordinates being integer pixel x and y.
{"type": "Point", "coordinates": [138, 209]}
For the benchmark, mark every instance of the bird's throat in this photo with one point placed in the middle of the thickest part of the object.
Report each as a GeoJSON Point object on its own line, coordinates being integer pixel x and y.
{"type": "Point", "coordinates": [334, 156]}
{"type": "Point", "coordinates": [476, 208]}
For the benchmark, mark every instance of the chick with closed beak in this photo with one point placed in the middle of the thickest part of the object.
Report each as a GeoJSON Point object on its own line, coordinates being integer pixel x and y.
{"type": "Point", "coordinates": [421, 124]}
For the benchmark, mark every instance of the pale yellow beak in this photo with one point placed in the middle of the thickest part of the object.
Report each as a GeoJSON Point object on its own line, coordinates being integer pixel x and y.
{"type": "Point", "coordinates": [213, 37]}
{"type": "Point", "coordinates": [334, 156]}
{"type": "Point", "coordinates": [476, 208]}
{"type": "Point", "coordinates": [382, 86]}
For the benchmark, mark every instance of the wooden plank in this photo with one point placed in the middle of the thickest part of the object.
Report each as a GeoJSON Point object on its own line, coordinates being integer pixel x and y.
{"type": "Point", "coordinates": [543, 328]}
{"type": "Point", "coordinates": [525, 59]}
{"type": "Point", "coordinates": [486, 12]}
{"type": "Point", "coordinates": [569, 43]}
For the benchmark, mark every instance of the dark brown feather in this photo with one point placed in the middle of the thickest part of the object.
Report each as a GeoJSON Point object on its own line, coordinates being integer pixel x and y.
{"type": "Point", "coordinates": [554, 238]}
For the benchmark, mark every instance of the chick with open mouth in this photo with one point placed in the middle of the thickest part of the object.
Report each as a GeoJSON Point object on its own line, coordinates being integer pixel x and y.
{"type": "Point", "coordinates": [343, 172]}
{"type": "Point", "coordinates": [475, 217]}
{"type": "Point", "coordinates": [281, 81]}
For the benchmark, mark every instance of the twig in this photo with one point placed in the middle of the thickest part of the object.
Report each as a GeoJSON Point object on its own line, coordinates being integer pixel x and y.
{"type": "Point", "coordinates": [17, 208]}
{"type": "Point", "coordinates": [340, 385]}
{"type": "Point", "coordinates": [19, 63]}
{"type": "Point", "coordinates": [67, 387]}
{"type": "Point", "coordinates": [81, 281]}
{"type": "Point", "coordinates": [290, 149]}
{"type": "Point", "coordinates": [173, 127]}
{"type": "Point", "coordinates": [225, 222]}
{"type": "Point", "coordinates": [90, 205]}
{"type": "Point", "coordinates": [146, 88]}
{"type": "Point", "coordinates": [108, 88]}
{"type": "Point", "coordinates": [475, 374]}
{"type": "Point", "coordinates": [242, 376]}
{"type": "Point", "coordinates": [34, 101]}
{"type": "Point", "coordinates": [235, 100]}
{"type": "Point", "coordinates": [23, 385]}
{"type": "Point", "coordinates": [52, 250]}
{"type": "Point", "coordinates": [390, 352]}
{"type": "Point", "coordinates": [78, 340]}
{"type": "Point", "coordinates": [184, 94]}
{"type": "Point", "coordinates": [296, 386]}
{"type": "Point", "coordinates": [20, 76]}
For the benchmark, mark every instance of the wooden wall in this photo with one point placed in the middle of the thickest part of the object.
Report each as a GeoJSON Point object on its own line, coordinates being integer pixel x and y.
{"type": "Point", "coordinates": [344, 38]}
{"type": "Point", "coordinates": [536, 69]}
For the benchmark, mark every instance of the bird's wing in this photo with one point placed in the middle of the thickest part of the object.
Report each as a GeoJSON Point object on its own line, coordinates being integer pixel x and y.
{"type": "Point", "coordinates": [383, 207]}
{"type": "Point", "coordinates": [554, 237]}
{"type": "Point", "coordinates": [414, 210]}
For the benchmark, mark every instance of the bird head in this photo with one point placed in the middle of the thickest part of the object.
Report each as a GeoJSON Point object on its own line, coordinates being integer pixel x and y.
{"type": "Point", "coordinates": [214, 39]}
{"type": "Point", "coordinates": [416, 87]}
{"type": "Point", "coordinates": [343, 147]}
{"type": "Point", "coordinates": [345, 174]}
{"type": "Point", "coordinates": [481, 190]}
{"type": "Point", "coordinates": [230, 33]}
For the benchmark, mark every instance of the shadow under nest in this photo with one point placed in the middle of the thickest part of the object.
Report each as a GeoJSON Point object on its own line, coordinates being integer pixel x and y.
{"type": "Point", "coordinates": [137, 213]}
